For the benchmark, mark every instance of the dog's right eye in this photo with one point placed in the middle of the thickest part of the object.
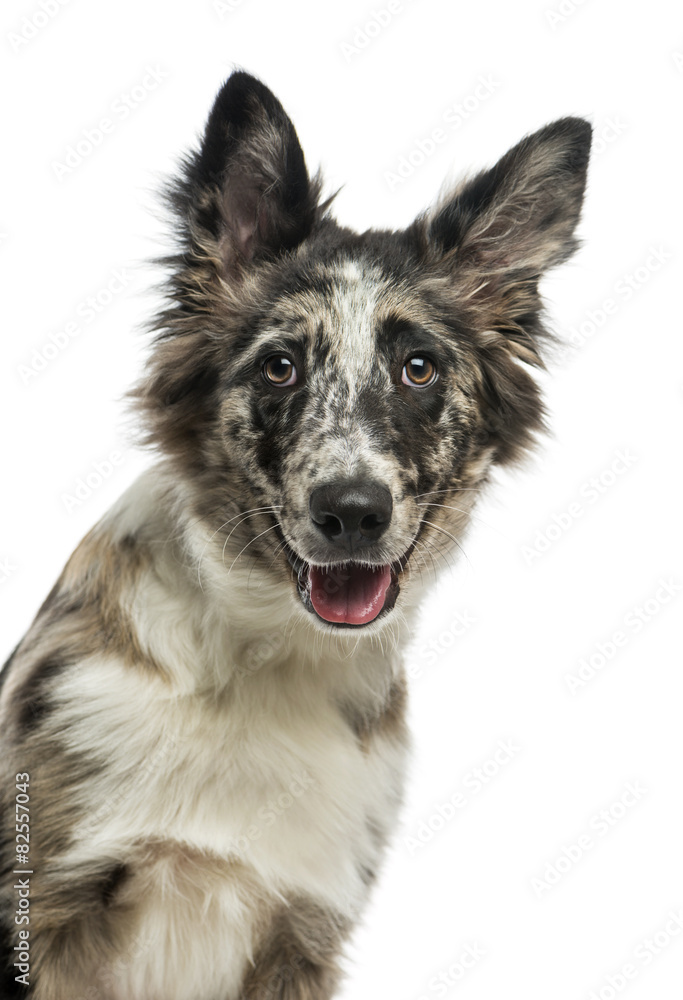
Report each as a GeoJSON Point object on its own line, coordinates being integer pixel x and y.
{"type": "Point", "coordinates": [279, 370]}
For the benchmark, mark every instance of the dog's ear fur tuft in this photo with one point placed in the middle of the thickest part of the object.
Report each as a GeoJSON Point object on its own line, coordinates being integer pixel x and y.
{"type": "Point", "coordinates": [519, 216]}
{"type": "Point", "coordinates": [491, 240]}
{"type": "Point", "coordinates": [245, 196]}
{"type": "Point", "coordinates": [247, 187]}
{"type": "Point", "coordinates": [502, 229]}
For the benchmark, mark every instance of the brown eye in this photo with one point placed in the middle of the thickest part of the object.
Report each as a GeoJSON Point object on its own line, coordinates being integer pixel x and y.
{"type": "Point", "coordinates": [418, 372]}
{"type": "Point", "coordinates": [279, 370]}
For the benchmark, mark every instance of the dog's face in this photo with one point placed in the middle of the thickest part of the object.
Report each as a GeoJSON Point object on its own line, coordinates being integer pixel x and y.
{"type": "Point", "coordinates": [351, 408]}
{"type": "Point", "coordinates": [336, 400]}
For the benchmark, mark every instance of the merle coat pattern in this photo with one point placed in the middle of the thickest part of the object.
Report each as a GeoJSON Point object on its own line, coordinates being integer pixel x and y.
{"type": "Point", "coordinates": [211, 702]}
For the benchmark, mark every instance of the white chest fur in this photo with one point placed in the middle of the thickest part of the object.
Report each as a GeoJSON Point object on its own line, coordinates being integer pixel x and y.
{"type": "Point", "coordinates": [267, 781]}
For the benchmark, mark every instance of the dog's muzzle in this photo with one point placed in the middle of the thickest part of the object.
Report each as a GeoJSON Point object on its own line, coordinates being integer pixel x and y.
{"type": "Point", "coordinates": [353, 589]}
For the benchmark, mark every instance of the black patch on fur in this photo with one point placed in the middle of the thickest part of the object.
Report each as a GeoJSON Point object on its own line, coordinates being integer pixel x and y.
{"type": "Point", "coordinates": [9, 988]}
{"type": "Point", "coordinates": [298, 958]}
{"type": "Point", "coordinates": [368, 875]}
{"type": "Point", "coordinates": [199, 382]}
{"type": "Point", "coordinates": [31, 701]}
{"type": "Point", "coordinates": [112, 883]}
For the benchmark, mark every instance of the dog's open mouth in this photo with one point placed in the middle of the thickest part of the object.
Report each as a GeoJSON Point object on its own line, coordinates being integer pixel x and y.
{"type": "Point", "coordinates": [350, 593]}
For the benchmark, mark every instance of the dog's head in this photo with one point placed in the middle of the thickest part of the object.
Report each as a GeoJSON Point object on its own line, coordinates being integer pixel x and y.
{"type": "Point", "coordinates": [336, 400]}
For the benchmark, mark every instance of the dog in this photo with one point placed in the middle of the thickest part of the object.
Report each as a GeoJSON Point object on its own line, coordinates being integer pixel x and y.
{"type": "Point", "coordinates": [203, 735]}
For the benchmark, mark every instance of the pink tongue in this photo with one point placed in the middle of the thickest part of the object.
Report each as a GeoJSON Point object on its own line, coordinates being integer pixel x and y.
{"type": "Point", "coordinates": [352, 594]}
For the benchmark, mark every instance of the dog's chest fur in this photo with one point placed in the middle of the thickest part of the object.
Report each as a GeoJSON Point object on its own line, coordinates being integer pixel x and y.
{"type": "Point", "coordinates": [220, 804]}
{"type": "Point", "coordinates": [224, 817]}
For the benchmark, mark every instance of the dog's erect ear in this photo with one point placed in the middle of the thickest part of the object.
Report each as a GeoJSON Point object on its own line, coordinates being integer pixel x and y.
{"type": "Point", "coordinates": [504, 227]}
{"type": "Point", "coordinates": [491, 240]}
{"type": "Point", "coordinates": [244, 195]}
{"type": "Point", "coordinates": [248, 185]}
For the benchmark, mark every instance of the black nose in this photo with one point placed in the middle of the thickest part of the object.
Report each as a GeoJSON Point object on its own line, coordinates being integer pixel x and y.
{"type": "Point", "coordinates": [351, 514]}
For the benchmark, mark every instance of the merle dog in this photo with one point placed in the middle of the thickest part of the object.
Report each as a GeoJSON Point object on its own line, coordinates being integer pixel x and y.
{"type": "Point", "coordinates": [203, 732]}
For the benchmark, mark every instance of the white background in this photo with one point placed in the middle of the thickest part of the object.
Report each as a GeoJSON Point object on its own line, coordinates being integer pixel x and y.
{"type": "Point", "coordinates": [537, 614]}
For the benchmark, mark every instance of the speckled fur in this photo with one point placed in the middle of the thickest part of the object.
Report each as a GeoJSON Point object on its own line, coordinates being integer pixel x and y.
{"type": "Point", "coordinates": [214, 770]}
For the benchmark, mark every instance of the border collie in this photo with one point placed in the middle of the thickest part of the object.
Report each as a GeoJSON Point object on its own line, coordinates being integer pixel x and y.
{"type": "Point", "coordinates": [203, 736]}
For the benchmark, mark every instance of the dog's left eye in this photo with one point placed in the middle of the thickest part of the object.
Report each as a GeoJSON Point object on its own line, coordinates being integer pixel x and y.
{"type": "Point", "coordinates": [419, 372]}
{"type": "Point", "coordinates": [280, 370]}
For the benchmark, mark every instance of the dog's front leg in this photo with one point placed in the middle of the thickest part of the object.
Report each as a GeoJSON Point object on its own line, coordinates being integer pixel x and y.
{"type": "Point", "coordinates": [298, 958]}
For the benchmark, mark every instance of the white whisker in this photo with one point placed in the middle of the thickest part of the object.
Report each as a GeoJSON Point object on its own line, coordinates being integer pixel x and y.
{"type": "Point", "coordinates": [252, 512]}
{"type": "Point", "coordinates": [466, 512]}
{"type": "Point", "coordinates": [450, 489]}
{"type": "Point", "coordinates": [250, 542]}
{"type": "Point", "coordinates": [449, 535]}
